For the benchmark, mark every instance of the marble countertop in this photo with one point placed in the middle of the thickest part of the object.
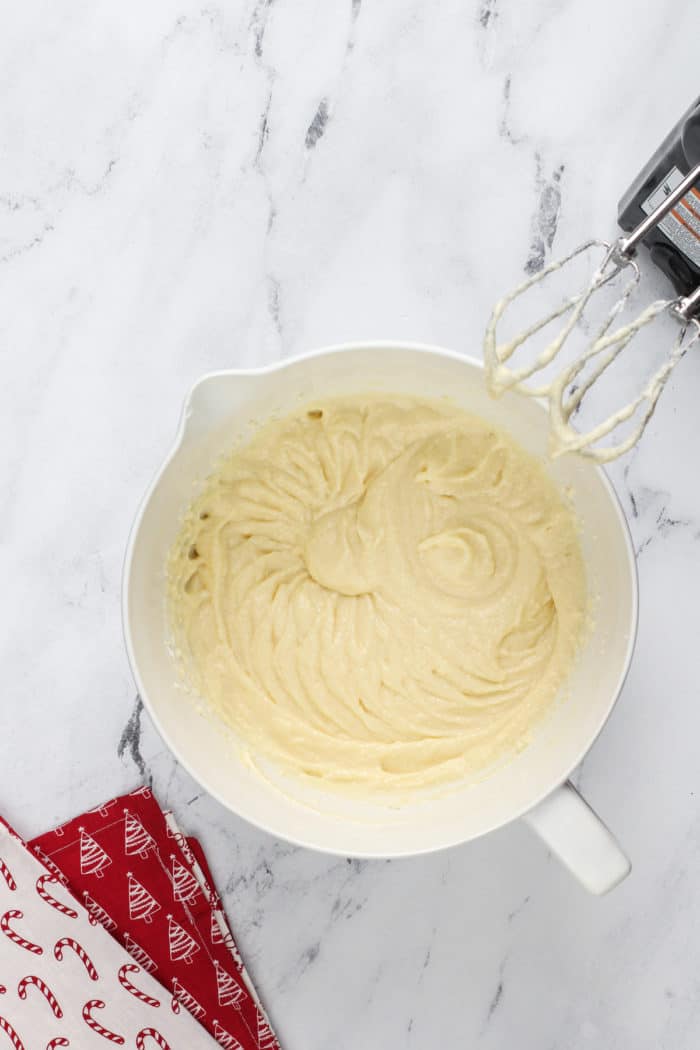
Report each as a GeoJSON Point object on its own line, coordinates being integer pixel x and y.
{"type": "Point", "coordinates": [188, 187]}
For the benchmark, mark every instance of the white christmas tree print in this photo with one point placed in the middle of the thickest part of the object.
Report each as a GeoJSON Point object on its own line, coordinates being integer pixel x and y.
{"type": "Point", "coordinates": [97, 913]}
{"type": "Point", "coordinates": [136, 838]}
{"type": "Point", "coordinates": [266, 1037]}
{"type": "Point", "coordinates": [229, 992]}
{"type": "Point", "coordinates": [181, 995]}
{"type": "Point", "coordinates": [104, 809]}
{"type": "Point", "coordinates": [221, 935]}
{"type": "Point", "coordinates": [141, 904]}
{"type": "Point", "coordinates": [140, 954]}
{"type": "Point", "coordinates": [225, 1039]}
{"type": "Point", "coordinates": [185, 886]}
{"type": "Point", "coordinates": [93, 859]}
{"type": "Point", "coordinates": [183, 948]}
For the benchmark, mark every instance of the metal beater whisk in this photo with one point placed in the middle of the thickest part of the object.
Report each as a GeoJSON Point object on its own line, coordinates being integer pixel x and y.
{"type": "Point", "coordinates": [566, 391]}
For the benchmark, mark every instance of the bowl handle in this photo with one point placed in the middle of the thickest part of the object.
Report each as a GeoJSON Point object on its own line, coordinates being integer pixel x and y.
{"type": "Point", "coordinates": [579, 838]}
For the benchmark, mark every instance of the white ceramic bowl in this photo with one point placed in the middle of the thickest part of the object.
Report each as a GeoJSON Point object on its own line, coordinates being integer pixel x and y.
{"type": "Point", "coordinates": [225, 405]}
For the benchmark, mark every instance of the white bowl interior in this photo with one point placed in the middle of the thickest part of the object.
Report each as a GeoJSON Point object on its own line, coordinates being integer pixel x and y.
{"type": "Point", "coordinates": [225, 406]}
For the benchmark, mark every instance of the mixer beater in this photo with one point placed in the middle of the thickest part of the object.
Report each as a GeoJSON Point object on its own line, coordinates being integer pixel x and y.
{"type": "Point", "coordinates": [670, 228]}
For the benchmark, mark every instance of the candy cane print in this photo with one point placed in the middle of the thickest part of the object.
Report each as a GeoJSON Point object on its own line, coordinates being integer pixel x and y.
{"type": "Point", "coordinates": [156, 1036]}
{"type": "Point", "coordinates": [48, 863]}
{"type": "Point", "coordinates": [97, 1004]}
{"type": "Point", "coordinates": [173, 831]}
{"type": "Point", "coordinates": [68, 942]}
{"type": "Point", "coordinates": [7, 875]}
{"type": "Point", "coordinates": [129, 987]}
{"type": "Point", "coordinates": [59, 1040]}
{"type": "Point", "coordinates": [46, 896]}
{"type": "Point", "coordinates": [30, 946]}
{"type": "Point", "coordinates": [5, 1026]}
{"type": "Point", "coordinates": [36, 982]}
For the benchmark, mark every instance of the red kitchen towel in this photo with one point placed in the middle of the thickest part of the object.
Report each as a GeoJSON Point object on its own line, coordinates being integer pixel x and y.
{"type": "Point", "coordinates": [140, 878]}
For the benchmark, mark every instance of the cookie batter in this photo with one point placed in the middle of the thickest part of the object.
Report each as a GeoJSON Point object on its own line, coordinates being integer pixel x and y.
{"type": "Point", "coordinates": [384, 594]}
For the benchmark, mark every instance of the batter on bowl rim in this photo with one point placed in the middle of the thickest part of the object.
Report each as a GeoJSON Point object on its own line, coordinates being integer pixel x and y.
{"type": "Point", "coordinates": [383, 593]}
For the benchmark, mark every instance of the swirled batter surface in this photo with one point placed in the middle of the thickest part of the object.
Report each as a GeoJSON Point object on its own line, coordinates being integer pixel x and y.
{"type": "Point", "coordinates": [382, 593]}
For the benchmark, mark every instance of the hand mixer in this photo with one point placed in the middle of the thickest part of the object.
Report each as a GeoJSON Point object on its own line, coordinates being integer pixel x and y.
{"type": "Point", "coordinates": [662, 211]}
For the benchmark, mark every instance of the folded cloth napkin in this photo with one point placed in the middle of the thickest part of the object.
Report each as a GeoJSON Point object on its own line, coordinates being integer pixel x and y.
{"type": "Point", "coordinates": [64, 982]}
{"type": "Point", "coordinates": [150, 887]}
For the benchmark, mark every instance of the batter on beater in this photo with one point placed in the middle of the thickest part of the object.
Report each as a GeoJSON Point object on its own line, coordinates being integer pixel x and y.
{"type": "Point", "coordinates": [381, 593]}
{"type": "Point", "coordinates": [664, 220]}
